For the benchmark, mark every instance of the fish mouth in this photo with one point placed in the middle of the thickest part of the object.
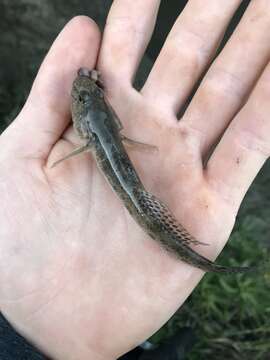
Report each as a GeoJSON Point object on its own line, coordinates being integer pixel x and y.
{"type": "Point", "coordinates": [84, 72]}
{"type": "Point", "coordinates": [91, 74]}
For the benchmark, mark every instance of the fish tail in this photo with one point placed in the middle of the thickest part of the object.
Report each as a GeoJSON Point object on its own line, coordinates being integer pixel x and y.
{"type": "Point", "coordinates": [163, 226]}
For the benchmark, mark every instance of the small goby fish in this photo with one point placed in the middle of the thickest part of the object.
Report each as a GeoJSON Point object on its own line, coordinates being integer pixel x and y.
{"type": "Point", "coordinates": [95, 121]}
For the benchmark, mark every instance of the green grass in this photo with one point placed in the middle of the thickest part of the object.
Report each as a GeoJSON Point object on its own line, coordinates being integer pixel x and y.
{"type": "Point", "coordinates": [230, 314]}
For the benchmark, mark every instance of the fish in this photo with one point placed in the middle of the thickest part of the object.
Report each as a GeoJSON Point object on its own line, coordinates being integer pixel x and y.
{"type": "Point", "coordinates": [98, 125]}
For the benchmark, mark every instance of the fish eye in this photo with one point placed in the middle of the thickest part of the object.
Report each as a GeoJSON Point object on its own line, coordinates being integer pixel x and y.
{"type": "Point", "coordinates": [83, 96]}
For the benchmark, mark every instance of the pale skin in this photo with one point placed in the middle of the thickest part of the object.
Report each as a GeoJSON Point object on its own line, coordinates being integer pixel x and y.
{"type": "Point", "coordinates": [78, 277]}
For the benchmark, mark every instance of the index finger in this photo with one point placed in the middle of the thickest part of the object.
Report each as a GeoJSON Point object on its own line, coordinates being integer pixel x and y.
{"type": "Point", "coordinates": [46, 113]}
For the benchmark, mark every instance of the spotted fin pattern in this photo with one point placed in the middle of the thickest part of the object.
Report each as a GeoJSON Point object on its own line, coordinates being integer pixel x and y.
{"type": "Point", "coordinates": [175, 238]}
{"type": "Point", "coordinates": [153, 207]}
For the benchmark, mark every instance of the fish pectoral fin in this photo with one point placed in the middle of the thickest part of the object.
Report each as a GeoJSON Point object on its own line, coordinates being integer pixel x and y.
{"type": "Point", "coordinates": [75, 152]}
{"type": "Point", "coordinates": [138, 145]}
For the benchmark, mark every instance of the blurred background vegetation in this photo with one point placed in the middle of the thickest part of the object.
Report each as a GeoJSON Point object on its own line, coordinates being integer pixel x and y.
{"type": "Point", "coordinates": [229, 315]}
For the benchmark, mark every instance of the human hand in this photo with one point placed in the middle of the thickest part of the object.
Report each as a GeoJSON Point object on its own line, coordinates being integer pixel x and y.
{"type": "Point", "coordinates": [78, 276]}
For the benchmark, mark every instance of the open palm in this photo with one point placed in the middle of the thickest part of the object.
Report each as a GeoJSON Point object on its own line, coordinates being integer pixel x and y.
{"type": "Point", "coordinates": [78, 276]}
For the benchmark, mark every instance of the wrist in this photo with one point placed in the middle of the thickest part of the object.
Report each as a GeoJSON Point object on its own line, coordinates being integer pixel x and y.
{"type": "Point", "coordinates": [12, 344]}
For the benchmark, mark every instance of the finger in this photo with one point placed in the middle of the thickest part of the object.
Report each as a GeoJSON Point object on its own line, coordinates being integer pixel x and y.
{"type": "Point", "coordinates": [231, 77]}
{"type": "Point", "coordinates": [127, 32]}
{"type": "Point", "coordinates": [189, 47]}
{"type": "Point", "coordinates": [244, 147]}
{"type": "Point", "coordinates": [46, 113]}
